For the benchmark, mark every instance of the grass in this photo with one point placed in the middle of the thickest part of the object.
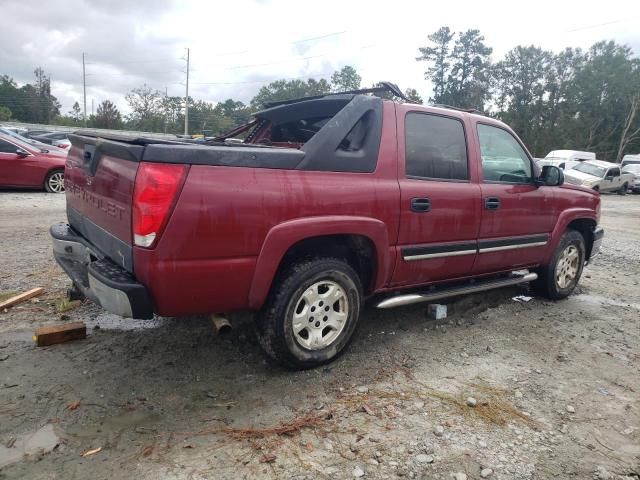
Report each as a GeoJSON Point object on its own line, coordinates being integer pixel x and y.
{"type": "Point", "coordinates": [6, 295]}
{"type": "Point", "coordinates": [64, 304]}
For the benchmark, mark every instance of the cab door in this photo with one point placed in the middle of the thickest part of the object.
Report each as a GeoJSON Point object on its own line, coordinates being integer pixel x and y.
{"type": "Point", "coordinates": [612, 180]}
{"type": "Point", "coordinates": [517, 215]}
{"type": "Point", "coordinates": [439, 209]}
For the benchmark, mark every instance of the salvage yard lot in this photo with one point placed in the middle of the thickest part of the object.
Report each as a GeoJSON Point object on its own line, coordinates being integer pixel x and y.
{"type": "Point", "coordinates": [556, 384]}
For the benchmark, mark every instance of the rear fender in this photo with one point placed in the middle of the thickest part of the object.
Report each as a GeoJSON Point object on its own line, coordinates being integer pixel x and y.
{"type": "Point", "coordinates": [283, 236]}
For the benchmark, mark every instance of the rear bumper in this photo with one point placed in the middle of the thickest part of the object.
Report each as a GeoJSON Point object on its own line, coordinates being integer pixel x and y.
{"type": "Point", "coordinates": [598, 236]}
{"type": "Point", "coordinates": [97, 277]}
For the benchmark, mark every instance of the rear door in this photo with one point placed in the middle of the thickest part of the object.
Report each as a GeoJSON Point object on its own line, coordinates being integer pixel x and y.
{"type": "Point", "coordinates": [439, 209]}
{"type": "Point", "coordinates": [517, 215]}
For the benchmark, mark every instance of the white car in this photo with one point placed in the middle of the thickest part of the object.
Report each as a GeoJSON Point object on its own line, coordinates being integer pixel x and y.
{"type": "Point", "coordinates": [566, 159]}
{"type": "Point", "coordinates": [633, 169]}
{"type": "Point", "coordinates": [600, 176]}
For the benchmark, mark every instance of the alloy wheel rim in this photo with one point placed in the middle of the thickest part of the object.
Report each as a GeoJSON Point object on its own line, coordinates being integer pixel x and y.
{"type": "Point", "coordinates": [56, 182]}
{"type": "Point", "coordinates": [567, 266]}
{"type": "Point", "coordinates": [320, 315]}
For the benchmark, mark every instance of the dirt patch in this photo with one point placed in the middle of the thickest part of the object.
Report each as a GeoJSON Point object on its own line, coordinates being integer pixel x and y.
{"type": "Point", "coordinates": [555, 384]}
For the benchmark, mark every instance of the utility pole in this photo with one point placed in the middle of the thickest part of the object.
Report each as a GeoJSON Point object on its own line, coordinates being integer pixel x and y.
{"type": "Point", "coordinates": [84, 91]}
{"type": "Point", "coordinates": [186, 101]}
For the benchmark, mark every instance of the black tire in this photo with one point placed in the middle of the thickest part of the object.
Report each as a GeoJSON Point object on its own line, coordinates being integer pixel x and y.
{"type": "Point", "coordinates": [51, 181]}
{"type": "Point", "coordinates": [274, 323]}
{"type": "Point", "coordinates": [623, 190]}
{"type": "Point", "coordinates": [547, 282]}
{"type": "Point", "coordinates": [596, 189]}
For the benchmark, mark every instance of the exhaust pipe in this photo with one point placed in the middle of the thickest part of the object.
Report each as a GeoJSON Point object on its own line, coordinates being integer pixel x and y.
{"type": "Point", "coordinates": [221, 324]}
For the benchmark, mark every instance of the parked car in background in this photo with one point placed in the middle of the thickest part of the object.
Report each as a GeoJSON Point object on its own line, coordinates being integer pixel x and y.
{"type": "Point", "coordinates": [566, 159]}
{"type": "Point", "coordinates": [35, 133]}
{"type": "Point", "coordinates": [633, 169]}
{"type": "Point", "coordinates": [327, 200]}
{"type": "Point", "coordinates": [57, 139]}
{"type": "Point", "coordinates": [600, 176]}
{"type": "Point", "coordinates": [18, 130]}
{"type": "Point", "coordinates": [630, 160]}
{"type": "Point", "coordinates": [35, 143]}
{"type": "Point", "coordinates": [23, 165]}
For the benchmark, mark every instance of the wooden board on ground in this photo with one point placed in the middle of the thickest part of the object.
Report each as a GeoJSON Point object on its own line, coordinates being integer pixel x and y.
{"type": "Point", "coordinates": [9, 302]}
{"type": "Point", "coordinates": [52, 334]}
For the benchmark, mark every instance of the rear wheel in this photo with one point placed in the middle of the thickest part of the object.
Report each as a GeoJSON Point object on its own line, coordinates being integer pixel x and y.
{"type": "Point", "coordinates": [623, 190]}
{"type": "Point", "coordinates": [559, 278]}
{"type": "Point", "coordinates": [311, 314]}
{"type": "Point", "coordinates": [54, 181]}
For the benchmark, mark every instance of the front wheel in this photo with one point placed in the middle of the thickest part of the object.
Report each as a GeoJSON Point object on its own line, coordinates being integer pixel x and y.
{"type": "Point", "coordinates": [559, 278]}
{"type": "Point", "coordinates": [311, 313]}
{"type": "Point", "coordinates": [54, 182]}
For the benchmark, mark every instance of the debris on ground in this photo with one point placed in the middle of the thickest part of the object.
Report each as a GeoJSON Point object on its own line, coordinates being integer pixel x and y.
{"type": "Point", "coordinates": [22, 297]}
{"type": "Point", "coordinates": [437, 311]}
{"type": "Point", "coordinates": [65, 332]}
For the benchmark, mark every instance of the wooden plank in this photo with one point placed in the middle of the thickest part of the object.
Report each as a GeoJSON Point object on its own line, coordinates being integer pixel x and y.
{"type": "Point", "coordinates": [21, 297]}
{"type": "Point", "coordinates": [65, 332]}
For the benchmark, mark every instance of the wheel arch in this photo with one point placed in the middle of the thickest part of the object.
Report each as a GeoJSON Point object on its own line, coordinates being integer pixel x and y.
{"type": "Point", "coordinates": [363, 242]}
{"type": "Point", "coordinates": [582, 220]}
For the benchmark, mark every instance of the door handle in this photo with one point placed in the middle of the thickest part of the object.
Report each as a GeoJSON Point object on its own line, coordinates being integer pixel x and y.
{"type": "Point", "coordinates": [420, 205]}
{"type": "Point", "coordinates": [492, 203]}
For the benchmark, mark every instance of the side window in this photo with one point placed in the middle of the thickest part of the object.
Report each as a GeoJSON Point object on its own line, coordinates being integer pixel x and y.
{"type": "Point", "coordinates": [6, 147]}
{"type": "Point", "coordinates": [615, 172]}
{"type": "Point", "coordinates": [503, 159]}
{"type": "Point", "coordinates": [435, 147]}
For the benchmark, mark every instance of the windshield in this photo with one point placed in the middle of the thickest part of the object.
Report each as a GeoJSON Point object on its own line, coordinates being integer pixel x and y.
{"type": "Point", "coordinates": [591, 169]}
{"type": "Point", "coordinates": [633, 168]}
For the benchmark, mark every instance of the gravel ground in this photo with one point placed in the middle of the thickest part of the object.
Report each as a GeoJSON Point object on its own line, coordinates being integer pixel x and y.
{"type": "Point", "coordinates": [499, 389]}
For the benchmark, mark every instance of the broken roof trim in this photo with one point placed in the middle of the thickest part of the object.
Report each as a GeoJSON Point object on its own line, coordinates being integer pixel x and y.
{"type": "Point", "coordinates": [382, 87]}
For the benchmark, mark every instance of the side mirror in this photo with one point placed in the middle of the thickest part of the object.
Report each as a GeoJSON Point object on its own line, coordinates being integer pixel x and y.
{"type": "Point", "coordinates": [22, 153]}
{"type": "Point", "coordinates": [551, 176]}
{"type": "Point", "coordinates": [609, 177]}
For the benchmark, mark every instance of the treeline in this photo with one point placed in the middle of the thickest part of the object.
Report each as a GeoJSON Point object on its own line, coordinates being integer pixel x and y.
{"type": "Point", "coordinates": [574, 99]}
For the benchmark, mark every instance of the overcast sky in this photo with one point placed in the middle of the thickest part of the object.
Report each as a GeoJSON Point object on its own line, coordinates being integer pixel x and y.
{"type": "Point", "coordinates": [237, 45]}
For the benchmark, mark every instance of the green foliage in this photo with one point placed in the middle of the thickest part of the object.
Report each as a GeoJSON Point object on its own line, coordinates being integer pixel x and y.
{"type": "Point", "coordinates": [289, 89]}
{"type": "Point", "coordinates": [32, 102]}
{"type": "Point", "coordinates": [108, 116]}
{"type": "Point", "coordinates": [5, 114]}
{"type": "Point", "coordinates": [413, 95]}
{"type": "Point", "coordinates": [570, 100]}
{"type": "Point", "coordinates": [345, 79]}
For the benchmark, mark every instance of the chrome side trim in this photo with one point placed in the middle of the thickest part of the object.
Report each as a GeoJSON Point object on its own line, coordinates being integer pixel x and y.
{"type": "Point", "coordinates": [455, 291]}
{"type": "Point", "coordinates": [511, 247]}
{"type": "Point", "coordinates": [457, 253]}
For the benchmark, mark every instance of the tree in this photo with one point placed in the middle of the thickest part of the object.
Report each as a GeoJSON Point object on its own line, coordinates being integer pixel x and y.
{"type": "Point", "coordinates": [107, 116]}
{"type": "Point", "coordinates": [413, 95]}
{"type": "Point", "coordinates": [75, 112]}
{"type": "Point", "coordinates": [468, 81]}
{"type": "Point", "coordinates": [289, 89]}
{"type": "Point", "coordinates": [438, 56]}
{"type": "Point", "coordinates": [345, 79]}
{"type": "Point", "coordinates": [5, 114]}
{"type": "Point", "coordinates": [145, 104]}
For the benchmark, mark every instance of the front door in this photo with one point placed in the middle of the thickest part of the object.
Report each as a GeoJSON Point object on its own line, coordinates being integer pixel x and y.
{"type": "Point", "coordinates": [439, 210]}
{"type": "Point", "coordinates": [10, 163]}
{"type": "Point", "coordinates": [612, 180]}
{"type": "Point", "coordinates": [517, 215]}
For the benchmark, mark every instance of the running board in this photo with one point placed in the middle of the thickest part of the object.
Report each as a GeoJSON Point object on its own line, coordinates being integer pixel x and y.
{"type": "Point", "coordinates": [408, 299]}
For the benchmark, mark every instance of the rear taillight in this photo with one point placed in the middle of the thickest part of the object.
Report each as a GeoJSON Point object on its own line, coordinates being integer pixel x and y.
{"type": "Point", "coordinates": [153, 198]}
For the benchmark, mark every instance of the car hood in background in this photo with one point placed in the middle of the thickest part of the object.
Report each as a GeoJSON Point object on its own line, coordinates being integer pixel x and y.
{"type": "Point", "coordinates": [581, 176]}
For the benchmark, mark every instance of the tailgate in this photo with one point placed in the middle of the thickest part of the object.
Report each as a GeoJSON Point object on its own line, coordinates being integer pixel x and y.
{"type": "Point", "coordinates": [99, 181]}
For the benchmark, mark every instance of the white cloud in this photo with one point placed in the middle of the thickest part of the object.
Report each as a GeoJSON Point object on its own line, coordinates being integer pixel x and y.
{"type": "Point", "coordinates": [238, 45]}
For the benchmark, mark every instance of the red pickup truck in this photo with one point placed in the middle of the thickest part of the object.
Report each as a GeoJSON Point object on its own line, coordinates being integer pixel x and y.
{"type": "Point", "coordinates": [315, 205]}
